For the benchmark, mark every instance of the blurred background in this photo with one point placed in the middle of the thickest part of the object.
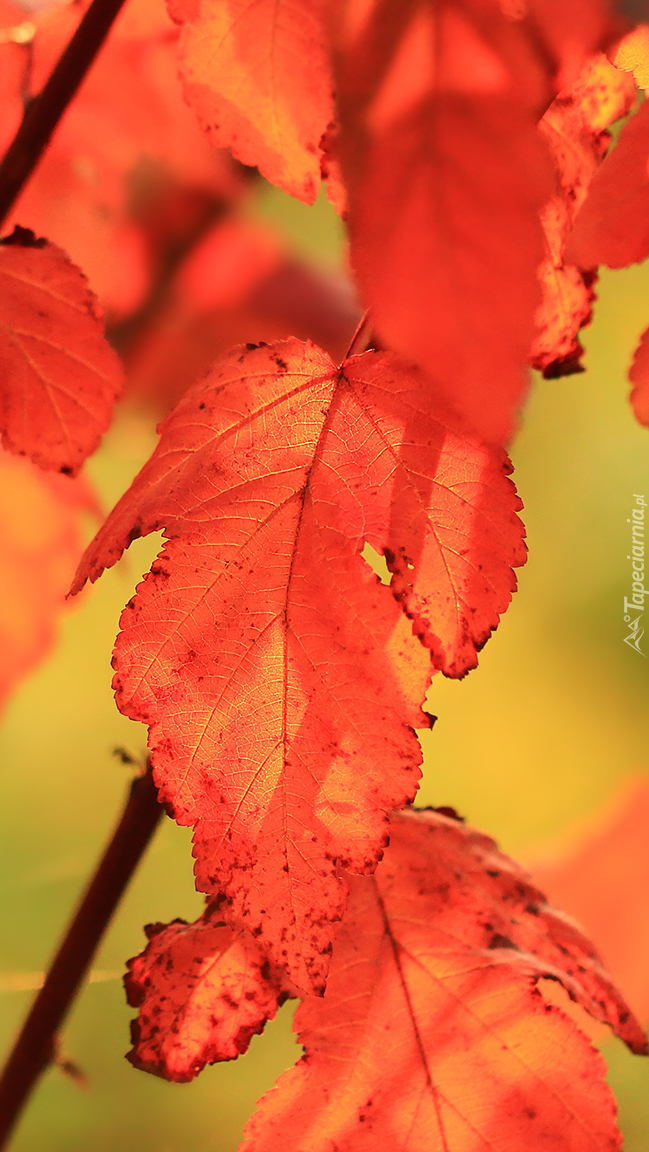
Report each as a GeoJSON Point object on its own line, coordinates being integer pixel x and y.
{"type": "Point", "coordinates": [544, 746]}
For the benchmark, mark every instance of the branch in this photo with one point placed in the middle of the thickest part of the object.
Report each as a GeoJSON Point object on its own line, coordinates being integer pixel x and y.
{"type": "Point", "coordinates": [362, 338]}
{"type": "Point", "coordinates": [36, 1044]}
{"type": "Point", "coordinates": [45, 111]}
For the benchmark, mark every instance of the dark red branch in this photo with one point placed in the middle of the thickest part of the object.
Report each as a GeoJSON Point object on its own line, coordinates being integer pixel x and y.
{"type": "Point", "coordinates": [35, 1046]}
{"type": "Point", "coordinates": [45, 111]}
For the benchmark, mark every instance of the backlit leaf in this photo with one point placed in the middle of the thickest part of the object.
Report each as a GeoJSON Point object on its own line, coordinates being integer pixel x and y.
{"type": "Point", "coordinates": [612, 226]}
{"type": "Point", "coordinates": [280, 678]}
{"type": "Point", "coordinates": [575, 130]}
{"type": "Point", "coordinates": [446, 176]}
{"type": "Point", "coordinates": [203, 991]}
{"type": "Point", "coordinates": [59, 377]}
{"type": "Point", "coordinates": [257, 72]}
{"type": "Point", "coordinates": [433, 1034]}
{"type": "Point", "coordinates": [633, 55]}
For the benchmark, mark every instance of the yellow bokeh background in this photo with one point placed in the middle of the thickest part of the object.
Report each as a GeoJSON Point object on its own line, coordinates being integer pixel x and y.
{"type": "Point", "coordinates": [538, 738]}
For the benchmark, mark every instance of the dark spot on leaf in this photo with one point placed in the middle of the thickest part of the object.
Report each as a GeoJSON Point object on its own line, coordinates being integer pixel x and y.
{"type": "Point", "coordinates": [498, 941]}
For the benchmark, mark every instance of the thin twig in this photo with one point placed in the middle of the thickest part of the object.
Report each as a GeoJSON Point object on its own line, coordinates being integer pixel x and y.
{"type": "Point", "coordinates": [46, 109]}
{"type": "Point", "coordinates": [35, 1047]}
{"type": "Point", "coordinates": [362, 337]}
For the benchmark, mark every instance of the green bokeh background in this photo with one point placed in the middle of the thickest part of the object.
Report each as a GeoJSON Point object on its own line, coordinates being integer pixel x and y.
{"type": "Point", "coordinates": [538, 737]}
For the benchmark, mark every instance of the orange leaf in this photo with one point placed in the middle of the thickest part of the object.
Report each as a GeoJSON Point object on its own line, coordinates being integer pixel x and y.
{"type": "Point", "coordinates": [432, 1034]}
{"type": "Point", "coordinates": [612, 226]}
{"type": "Point", "coordinates": [603, 878]}
{"type": "Point", "coordinates": [446, 176]}
{"type": "Point", "coordinates": [633, 55]}
{"type": "Point", "coordinates": [280, 678]}
{"type": "Point", "coordinates": [258, 75]}
{"type": "Point", "coordinates": [574, 128]}
{"type": "Point", "coordinates": [40, 545]}
{"type": "Point", "coordinates": [203, 992]}
{"type": "Point", "coordinates": [639, 377]}
{"type": "Point", "coordinates": [60, 377]}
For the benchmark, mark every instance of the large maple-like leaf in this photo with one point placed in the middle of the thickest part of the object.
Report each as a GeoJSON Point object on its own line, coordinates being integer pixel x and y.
{"type": "Point", "coordinates": [280, 678]}
{"type": "Point", "coordinates": [41, 541]}
{"type": "Point", "coordinates": [432, 1035]}
{"type": "Point", "coordinates": [447, 174]}
{"type": "Point", "coordinates": [575, 130]}
{"type": "Point", "coordinates": [59, 376]}
{"type": "Point", "coordinates": [257, 72]}
{"type": "Point", "coordinates": [202, 991]}
{"type": "Point", "coordinates": [612, 226]}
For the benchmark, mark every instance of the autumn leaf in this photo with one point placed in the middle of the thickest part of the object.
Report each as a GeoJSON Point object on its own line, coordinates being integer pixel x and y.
{"type": "Point", "coordinates": [60, 377]}
{"type": "Point", "coordinates": [203, 991]}
{"type": "Point", "coordinates": [639, 377]}
{"type": "Point", "coordinates": [633, 55]}
{"type": "Point", "coordinates": [602, 876]}
{"type": "Point", "coordinates": [433, 1033]}
{"type": "Point", "coordinates": [128, 124]}
{"type": "Point", "coordinates": [575, 130]}
{"type": "Point", "coordinates": [612, 226]}
{"type": "Point", "coordinates": [41, 541]}
{"type": "Point", "coordinates": [280, 678]}
{"type": "Point", "coordinates": [257, 73]}
{"type": "Point", "coordinates": [447, 174]}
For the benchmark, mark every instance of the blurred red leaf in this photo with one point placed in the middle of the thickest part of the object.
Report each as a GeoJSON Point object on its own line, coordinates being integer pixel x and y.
{"type": "Point", "coordinates": [446, 174]}
{"type": "Point", "coordinates": [128, 117]}
{"type": "Point", "coordinates": [639, 377]}
{"type": "Point", "coordinates": [203, 991]}
{"type": "Point", "coordinates": [41, 541]}
{"type": "Point", "coordinates": [258, 76]}
{"type": "Point", "coordinates": [433, 1023]}
{"type": "Point", "coordinates": [60, 377]}
{"type": "Point", "coordinates": [270, 477]}
{"type": "Point", "coordinates": [602, 878]}
{"type": "Point", "coordinates": [612, 226]}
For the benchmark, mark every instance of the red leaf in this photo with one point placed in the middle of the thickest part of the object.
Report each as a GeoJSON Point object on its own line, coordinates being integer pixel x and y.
{"type": "Point", "coordinates": [439, 106]}
{"type": "Point", "coordinates": [612, 227]}
{"type": "Point", "coordinates": [639, 377]}
{"type": "Point", "coordinates": [446, 176]}
{"type": "Point", "coordinates": [202, 991]}
{"type": "Point", "coordinates": [574, 127]}
{"type": "Point", "coordinates": [41, 541]}
{"type": "Point", "coordinates": [275, 670]}
{"type": "Point", "coordinates": [602, 878]}
{"type": "Point", "coordinates": [258, 75]}
{"type": "Point", "coordinates": [60, 377]}
{"type": "Point", "coordinates": [126, 129]}
{"type": "Point", "coordinates": [432, 1034]}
